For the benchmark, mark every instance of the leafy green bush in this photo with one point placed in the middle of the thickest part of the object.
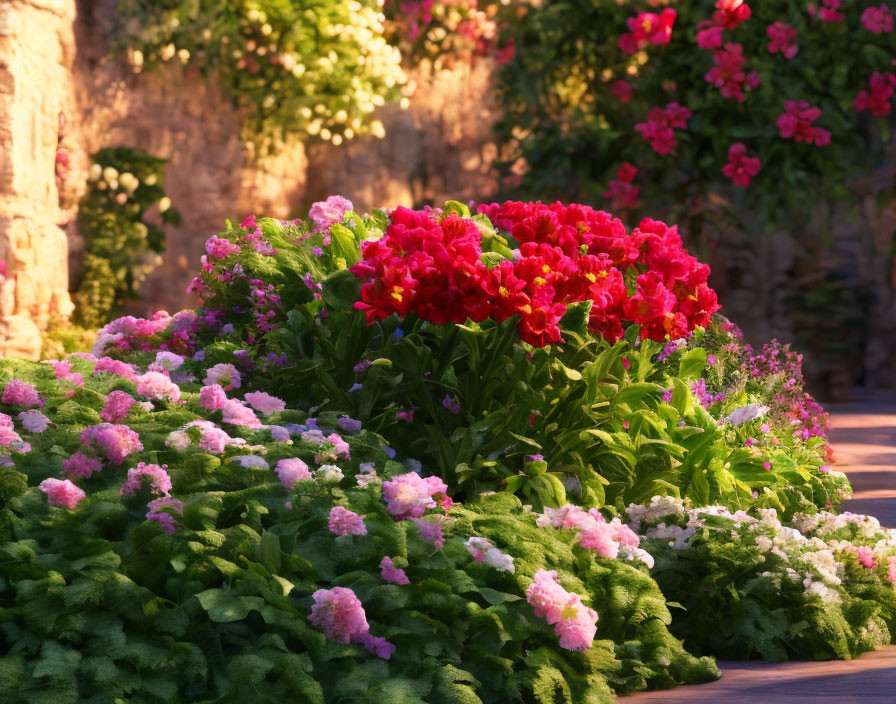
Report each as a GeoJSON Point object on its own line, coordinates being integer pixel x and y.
{"type": "Point", "coordinates": [295, 67]}
{"type": "Point", "coordinates": [208, 596]}
{"type": "Point", "coordinates": [120, 247]}
{"type": "Point", "coordinates": [819, 587]}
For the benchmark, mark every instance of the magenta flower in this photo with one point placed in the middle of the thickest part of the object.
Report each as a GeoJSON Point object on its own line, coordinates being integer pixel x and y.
{"type": "Point", "coordinates": [878, 20]}
{"type": "Point", "coordinates": [345, 522]}
{"type": "Point", "coordinates": [623, 91]}
{"type": "Point", "coordinates": [660, 127]}
{"type": "Point", "coordinates": [339, 614]}
{"type": "Point", "coordinates": [876, 99]}
{"type": "Point", "coordinates": [782, 39]}
{"type": "Point", "coordinates": [430, 529]}
{"type": "Point", "coordinates": [61, 492]}
{"type": "Point", "coordinates": [410, 495]}
{"type": "Point", "coordinates": [115, 366]}
{"type": "Point", "coordinates": [21, 393]}
{"type": "Point", "coordinates": [80, 466]}
{"type": "Point", "coordinates": [118, 441]}
{"type": "Point", "coordinates": [219, 248]}
{"type": "Point", "coordinates": [392, 574]}
{"type": "Point", "coordinates": [740, 167]}
{"type": "Point", "coordinates": [157, 387]}
{"type": "Point", "coordinates": [796, 122]}
{"type": "Point", "coordinates": [157, 478]}
{"type": "Point", "coordinates": [828, 12]}
{"type": "Point", "coordinates": [118, 403]}
{"type": "Point", "coordinates": [156, 511]}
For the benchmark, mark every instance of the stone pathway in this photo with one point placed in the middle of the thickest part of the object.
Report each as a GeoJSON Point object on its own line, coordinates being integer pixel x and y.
{"type": "Point", "coordinates": [864, 440]}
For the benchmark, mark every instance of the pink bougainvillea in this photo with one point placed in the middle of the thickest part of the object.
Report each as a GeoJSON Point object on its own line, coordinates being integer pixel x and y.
{"type": "Point", "coordinates": [782, 38]}
{"type": "Point", "coordinates": [659, 129]}
{"type": "Point", "coordinates": [392, 574]}
{"type": "Point", "coordinates": [878, 20]}
{"type": "Point", "coordinates": [728, 74]}
{"type": "Point", "coordinates": [828, 12]}
{"type": "Point", "coordinates": [740, 167]}
{"type": "Point", "coordinates": [622, 193]}
{"type": "Point", "coordinates": [648, 28]}
{"type": "Point", "coordinates": [796, 123]}
{"type": "Point", "coordinates": [876, 99]}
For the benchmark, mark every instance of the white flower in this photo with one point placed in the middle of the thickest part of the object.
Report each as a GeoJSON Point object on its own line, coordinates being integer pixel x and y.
{"type": "Point", "coordinates": [499, 560]}
{"type": "Point", "coordinates": [34, 421]}
{"type": "Point", "coordinates": [746, 413]}
{"type": "Point", "coordinates": [178, 439]}
{"type": "Point", "coordinates": [250, 461]}
{"type": "Point", "coordinates": [328, 474]}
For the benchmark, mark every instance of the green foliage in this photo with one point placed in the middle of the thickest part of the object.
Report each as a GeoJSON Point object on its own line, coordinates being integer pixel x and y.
{"type": "Point", "coordinates": [294, 67]}
{"type": "Point", "coordinates": [567, 133]}
{"type": "Point", "coordinates": [120, 247]}
{"type": "Point", "coordinates": [752, 587]}
{"type": "Point", "coordinates": [100, 604]}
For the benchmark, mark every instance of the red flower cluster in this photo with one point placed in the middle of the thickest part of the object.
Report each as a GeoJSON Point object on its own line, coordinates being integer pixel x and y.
{"type": "Point", "coordinates": [660, 127]}
{"type": "Point", "coordinates": [622, 193]}
{"type": "Point", "coordinates": [728, 73]}
{"type": "Point", "coordinates": [648, 28]}
{"type": "Point", "coordinates": [796, 122]}
{"type": "Point", "coordinates": [740, 167]}
{"type": "Point", "coordinates": [622, 90]}
{"type": "Point", "coordinates": [730, 13]}
{"type": "Point", "coordinates": [782, 38]}
{"type": "Point", "coordinates": [432, 267]}
{"type": "Point", "coordinates": [881, 87]}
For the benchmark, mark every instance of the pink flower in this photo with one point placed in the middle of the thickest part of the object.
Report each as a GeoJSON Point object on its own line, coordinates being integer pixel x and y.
{"type": "Point", "coordinates": [865, 556]}
{"type": "Point", "coordinates": [622, 192]}
{"type": "Point", "coordinates": [340, 446]}
{"type": "Point", "coordinates": [829, 11]}
{"type": "Point", "coordinates": [377, 646]}
{"type": "Point", "coordinates": [878, 20]}
{"type": "Point", "coordinates": [339, 613]}
{"type": "Point", "coordinates": [118, 403]}
{"type": "Point", "coordinates": [34, 421]}
{"type": "Point", "coordinates": [660, 127]}
{"type": "Point", "coordinates": [291, 470]}
{"type": "Point", "coordinates": [214, 440]}
{"type": "Point", "coordinates": [159, 481]}
{"type": "Point", "coordinates": [345, 522]}
{"type": "Point", "coordinates": [731, 13]}
{"type": "Point", "coordinates": [235, 413]}
{"type": "Point", "coordinates": [410, 495]}
{"type": "Point", "coordinates": [430, 529]}
{"type": "Point", "coordinates": [80, 466]}
{"type": "Point", "coordinates": [219, 248]}
{"type": "Point", "coordinates": [710, 36]}
{"type": "Point", "coordinates": [877, 98]}
{"type": "Point", "coordinates": [728, 74]}
{"type": "Point", "coordinates": [157, 386]}
{"type": "Point", "coordinates": [783, 39]}
{"type": "Point", "coordinates": [21, 393]}
{"type": "Point", "coordinates": [115, 366]}
{"type": "Point", "coordinates": [740, 167]}
{"type": "Point", "coordinates": [156, 511]}
{"type": "Point", "coordinates": [327, 213]}
{"type": "Point", "coordinates": [891, 568]}
{"type": "Point", "coordinates": [224, 374]}
{"type": "Point", "coordinates": [169, 360]}
{"type": "Point", "coordinates": [118, 441]}
{"type": "Point", "coordinates": [622, 90]}
{"type": "Point", "coordinates": [407, 416]}
{"type": "Point", "coordinates": [265, 403]}
{"type": "Point", "coordinates": [796, 122]}
{"type": "Point", "coordinates": [61, 492]}
{"type": "Point", "coordinates": [648, 28]}
{"type": "Point", "coordinates": [212, 397]}
{"type": "Point", "coordinates": [574, 623]}
{"type": "Point", "coordinates": [392, 574]}
{"type": "Point", "coordinates": [594, 532]}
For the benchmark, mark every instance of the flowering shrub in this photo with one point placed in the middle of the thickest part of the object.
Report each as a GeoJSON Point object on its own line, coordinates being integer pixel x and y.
{"type": "Point", "coordinates": [120, 247]}
{"type": "Point", "coordinates": [185, 573]}
{"type": "Point", "coordinates": [820, 586]}
{"type": "Point", "coordinates": [446, 30]}
{"type": "Point", "coordinates": [801, 86]}
{"type": "Point", "coordinates": [525, 348]}
{"type": "Point", "coordinates": [296, 67]}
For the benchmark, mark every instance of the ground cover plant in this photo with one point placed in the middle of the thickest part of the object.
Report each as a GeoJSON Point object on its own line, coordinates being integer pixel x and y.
{"type": "Point", "coordinates": [164, 542]}
{"type": "Point", "coordinates": [818, 587]}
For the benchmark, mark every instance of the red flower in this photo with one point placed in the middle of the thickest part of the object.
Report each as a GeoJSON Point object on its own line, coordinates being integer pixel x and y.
{"type": "Point", "coordinates": [783, 39]}
{"type": "Point", "coordinates": [796, 122]}
{"type": "Point", "coordinates": [876, 99]}
{"type": "Point", "coordinates": [648, 28]}
{"type": "Point", "coordinates": [740, 167]}
{"type": "Point", "coordinates": [731, 13]}
{"type": "Point", "coordinates": [709, 36]}
{"type": "Point", "coordinates": [622, 90]}
{"type": "Point", "coordinates": [540, 320]}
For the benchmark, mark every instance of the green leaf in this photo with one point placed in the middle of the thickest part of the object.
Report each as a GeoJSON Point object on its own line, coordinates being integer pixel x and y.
{"type": "Point", "coordinates": [494, 597]}
{"type": "Point", "coordinates": [692, 364]}
{"type": "Point", "coordinates": [341, 290]}
{"type": "Point", "coordinates": [344, 244]}
{"type": "Point", "coordinates": [223, 607]}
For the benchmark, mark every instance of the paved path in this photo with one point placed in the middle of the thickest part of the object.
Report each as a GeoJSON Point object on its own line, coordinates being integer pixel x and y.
{"type": "Point", "coordinates": [864, 440]}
